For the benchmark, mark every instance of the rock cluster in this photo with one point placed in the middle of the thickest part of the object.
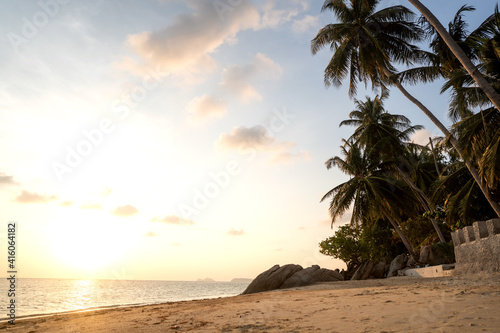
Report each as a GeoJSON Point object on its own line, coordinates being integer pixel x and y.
{"type": "Point", "coordinates": [290, 276]}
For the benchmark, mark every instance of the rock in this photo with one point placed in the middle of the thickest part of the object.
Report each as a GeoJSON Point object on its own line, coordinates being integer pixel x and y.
{"type": "Point", "coordinates": [398, 263]}
{"type": "Point", "coordinates": [364, 271]}
{"type": "Point", "coordinates": [300, 278]}
{"type": "Point", "coordinates": [290, 276]}
{"type": "Point", "coordinates": [310, 276]}
{"type": "Point", "coordinates": [378, 270]}
{"type": "Point", "coordinates": [425, 252]}
{"type": "Point", "coordinates": [437, 257]}
{"type": "Point", "coordinates": [411, 262]}
{"type": "Point", "coordinates": [271, 279]}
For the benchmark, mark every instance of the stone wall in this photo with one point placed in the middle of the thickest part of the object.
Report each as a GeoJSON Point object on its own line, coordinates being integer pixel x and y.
{"type": "Point", "coordinates": [477, 247]}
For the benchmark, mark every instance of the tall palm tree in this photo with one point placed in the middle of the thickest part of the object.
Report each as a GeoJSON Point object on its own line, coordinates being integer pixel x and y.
{"type": "Point", "coordinates": [442, 63]}
{"type": "Point", "coordinates": [365, 43]}
{"type": "Point", "coordinates": [459, 53]}
{"type": "Point", "coordinates": [485, 45]}
{"type": "Point", "coordinates": [369, 191]}
{"type": "Point", "coordinates": [480, 136]}
{"type": "Point", "coordinates": [385, 134]}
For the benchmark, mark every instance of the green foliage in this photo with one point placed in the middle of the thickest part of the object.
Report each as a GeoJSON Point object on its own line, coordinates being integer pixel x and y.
{"type": "Point", "coordinates": [345, 245]}
{"type": "Point", "coordinates": [420, 231]}
{"type": "Point", "coordinates": [367, 242]}
{"type": "Point", "coordinates": [445, 250]}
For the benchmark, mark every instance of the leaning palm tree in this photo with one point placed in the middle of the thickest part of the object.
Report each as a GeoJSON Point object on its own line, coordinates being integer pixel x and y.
{"type": "Point", "coordinates": [441, 63]}
{"type": "Point", "coordinates": [459, 53]}
{"type": "Point", "coordinates": [366, 43]}
{"type": "Point", "coordinates": [386, 135]}
{"type": "Point", "coordinates": [369, 192]}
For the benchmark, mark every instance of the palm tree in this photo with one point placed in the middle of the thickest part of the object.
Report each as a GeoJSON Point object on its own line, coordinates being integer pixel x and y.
{"type": "Point", "coordinates": [459, 53]}
{"type": "Point", "coordinates": [442, 63]}
{"type": "Point", "coordinates": [385, 134]}
{"type": "Point", "coordinates": [479, 134]}
{"type": "Point", "coordinates": [369, 191]}
{"type": "Point", "coordinates": [365, 44]}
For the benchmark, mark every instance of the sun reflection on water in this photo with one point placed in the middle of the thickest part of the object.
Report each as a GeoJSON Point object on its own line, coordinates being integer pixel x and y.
{"type": "Point", "coordinates": [83, 294]}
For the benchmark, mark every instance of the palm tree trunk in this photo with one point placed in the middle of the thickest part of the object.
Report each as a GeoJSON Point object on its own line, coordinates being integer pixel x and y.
{"type": "Point", "coordinates": [453, 141]}
{"type": "Point", "coordinates": [395, 224]}
{"type": "Point", "coordinates": [435, 158]}
{"type": "Point", "coordinates": [424, 201]}
{"type": "Point", "coordinates": [459, 53]}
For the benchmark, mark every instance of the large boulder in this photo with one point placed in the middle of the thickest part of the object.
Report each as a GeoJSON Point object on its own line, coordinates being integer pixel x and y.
{"type": "Point", "coordinates": [290, 276]}
{"type": "Point", "coordinates": [272, 279]}
{"type": "Point", "coordinates": [310, 276]}
{"type": "Point", "coordinates": [364, 271]}
{"type": "Point", "coordinates": [378, 271]}
{"type": "Point", "coordinates": [425, 253]}
{"type": "Point", "coordinates": [398, 263]}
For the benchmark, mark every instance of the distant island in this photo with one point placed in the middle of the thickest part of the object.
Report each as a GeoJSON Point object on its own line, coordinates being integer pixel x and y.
{"type": "Point", "coordinates": [206, 280]}
{"type": "Point", "coordinates": [241, 280]}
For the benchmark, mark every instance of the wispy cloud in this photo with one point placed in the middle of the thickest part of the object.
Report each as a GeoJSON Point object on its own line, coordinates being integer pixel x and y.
{"type": "Point", "coordinates": [241, 138]}
{"type": "Point", "coordinates": [273, 15]}
{"type": "Point", "coordinates": [306, 24]}
{"type": "Point", "coordinates": [150, 234]}
{"type": "Point", "coordinates": [185, 46]}
{"type": "Point", "coordinates": [421, 137]}
{"type": "Point", "coordinates": [125, 211]}
{"type": "Point", "coordinates": [257, 137]}
{"type": "Point", "coordinates": [172, 219]}
{"type": "Point", "coordinates": [237, 79]}
{"type": "Point", "coordinates": [206, 106]}
{"type": "Point", "coordinates": [66, 203]}
{"type": "Point", "coordinates": [7, 180]}
{"type": "Point", "coordinates": [234, 232]}
{"type": "Point", "coordinates": [31, 197]}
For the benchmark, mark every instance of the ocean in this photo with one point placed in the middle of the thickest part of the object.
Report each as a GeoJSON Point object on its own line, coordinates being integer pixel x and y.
{"type": "Point", "coordinates": [49, 296]}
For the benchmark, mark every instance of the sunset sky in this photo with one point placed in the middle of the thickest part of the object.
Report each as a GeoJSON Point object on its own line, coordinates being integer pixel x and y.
{"type": "Point", "coordinates": [174, 140]}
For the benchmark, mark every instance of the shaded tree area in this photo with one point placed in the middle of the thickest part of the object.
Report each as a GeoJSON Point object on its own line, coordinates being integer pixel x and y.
{"type": "Point", "coordinates": [399, 192]}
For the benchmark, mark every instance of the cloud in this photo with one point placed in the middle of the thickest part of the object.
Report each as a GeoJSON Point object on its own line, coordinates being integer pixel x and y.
{"type": "Point", "coordinates": [106, 191]}
{"type": "Point", "coordinates": [236, 79]}
{"type": "Point", "coordinates": [91, 206]}
{"type": "Point", "coordinates": [186, 45]}
{"type": "Point", "coordinates": [175, 244]}
{"type": "Point", "coordinates": [66, 203]}
{"type": "Point", "coordinates": [125, 211]}
{"type": "Point", "coordinates": [150, 234]}
{"type": "Point", "coordinates": [273, 17]}
{"type": "Point", "coordinates": [172, 219]}
{"type": "Point", "coordinates": [30, 197]}
{"type": "Point", "coordinates": [234, 232]}
{"type": "Point", "coordinates": [245, 139]}
{"type": "Point", "coordinates": [206, 106]}
{"type": "Point", "coordinates": [242, 138]}
{"type": "Point", "coordinates": [7, 180]}
{"type": "Point", "coordinates": [285, 155]}
{"type": "Point", "coordinates": [421, 137]}
{"type": "Point", "coordinates": [306, 24]}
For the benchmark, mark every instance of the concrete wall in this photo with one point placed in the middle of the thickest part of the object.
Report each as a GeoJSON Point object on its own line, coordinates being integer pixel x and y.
{"type": "Point", "coordinates": [477, 247]}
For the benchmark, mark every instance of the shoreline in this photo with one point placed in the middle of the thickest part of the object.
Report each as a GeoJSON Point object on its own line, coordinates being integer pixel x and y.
{"type": "Point", "coordinates": [396, 304]}
{"type": "Point", "coordinates": [106, 307]}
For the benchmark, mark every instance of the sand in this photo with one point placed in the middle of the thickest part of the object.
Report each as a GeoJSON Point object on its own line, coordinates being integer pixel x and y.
{"type": "Point", "coordinates": [400, 304]}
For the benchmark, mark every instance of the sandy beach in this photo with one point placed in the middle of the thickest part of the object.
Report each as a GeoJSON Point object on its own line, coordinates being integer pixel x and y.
{"type": "Point", "coordinates": [400, 304]}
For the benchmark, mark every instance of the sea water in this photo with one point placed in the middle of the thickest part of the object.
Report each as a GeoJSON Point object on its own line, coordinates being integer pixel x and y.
{"type": "Point", "coordinates": [48, 296]}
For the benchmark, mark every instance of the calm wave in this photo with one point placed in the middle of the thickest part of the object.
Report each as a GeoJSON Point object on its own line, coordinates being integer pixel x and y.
{"type": "Point", "coordinates": [45, 296]}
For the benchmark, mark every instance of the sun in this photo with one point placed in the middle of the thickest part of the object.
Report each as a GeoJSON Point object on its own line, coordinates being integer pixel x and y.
{"type": "Point", "coordinates": [91, 244]}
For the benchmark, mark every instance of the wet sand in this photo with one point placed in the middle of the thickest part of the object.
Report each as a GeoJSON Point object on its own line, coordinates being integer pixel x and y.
{"type": "Point", "coordinates": [400, 304]}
